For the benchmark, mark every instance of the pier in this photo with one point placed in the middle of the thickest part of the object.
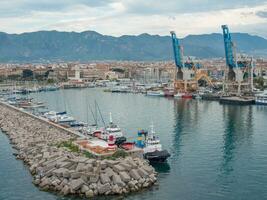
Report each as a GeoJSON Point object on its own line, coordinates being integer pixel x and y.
{"type": "Point", "coordinates": [70, 171]}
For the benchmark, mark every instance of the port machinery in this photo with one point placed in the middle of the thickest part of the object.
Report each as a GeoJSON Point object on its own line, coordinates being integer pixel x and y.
{"type": "Point", "coordinates": [187, 72]}
{"type": "Point", "coordinates": [239, 74]}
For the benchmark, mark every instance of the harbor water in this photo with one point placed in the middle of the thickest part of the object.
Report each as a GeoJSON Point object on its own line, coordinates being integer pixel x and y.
{"type": "Point", "coordinates": [217, 151]}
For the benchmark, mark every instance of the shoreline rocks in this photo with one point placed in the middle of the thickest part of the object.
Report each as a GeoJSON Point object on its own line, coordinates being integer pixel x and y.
{"type": "Point", "coordinates": [70, 173]}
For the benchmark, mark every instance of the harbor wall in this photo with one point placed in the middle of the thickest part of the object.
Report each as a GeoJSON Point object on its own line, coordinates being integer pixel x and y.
{"type": "Point", "coordinates": [67, 172]}
{"type": "Point", "coordinates": [42, 120]}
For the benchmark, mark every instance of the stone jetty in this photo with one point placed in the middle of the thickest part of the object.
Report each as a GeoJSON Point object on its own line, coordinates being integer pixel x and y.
{"type": "Point", "coordinates": [58, 169]}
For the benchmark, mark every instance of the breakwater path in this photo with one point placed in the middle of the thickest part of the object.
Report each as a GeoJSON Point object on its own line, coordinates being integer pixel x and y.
{"type": "Point", "coordinates": [56, 168]}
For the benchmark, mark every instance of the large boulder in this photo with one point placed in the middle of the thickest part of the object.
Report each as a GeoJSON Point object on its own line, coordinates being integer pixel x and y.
{"type": "Point", "coordinates": [89, 193]}
{"type": "Point", "coordinates": [84, 189]}
{"type": "Point", "coordinates": [75, 175]}
{"type": "Point", "coordinates": [104, 178]}
{"type": "Point", "coordinates": [65, 190]}
{"type": "Point", "coordinates": [111, 163]}
{"type": "Point", "coordinates": [125, 177]}
{"type": "Point", "coordinates": [102, 189]}
{"type": "Point", "coordinates": [76, 184]}
{"type": "Point", "coordinates": [134, 174]}
{"type": "Point", "coordinates": [59, 172]}
{"type": "Point", "coordinates": [81, 167]}
{"type": "Point", "coordinates": [118, 168]}
{"type": "Point", "coordinates": [142, 173]}
{"type": "Point", "coordinates": [109, 172]}
{"type": "Point", "coordinates": [93, 178]}
{"type": "Point", "coordinates": [126, 166]}
{"type": "Point", "coordinates": [117, 180]}
{"type": "Point", "coordinates": [148, 169]}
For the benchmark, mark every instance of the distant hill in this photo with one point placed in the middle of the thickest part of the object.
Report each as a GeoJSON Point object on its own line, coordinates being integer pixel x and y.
{"type": "Point", "coordinates": [90, 45]}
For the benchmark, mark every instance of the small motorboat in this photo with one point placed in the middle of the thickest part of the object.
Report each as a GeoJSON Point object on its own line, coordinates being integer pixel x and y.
{"type": "Point", "coordinates": [157, 93]}
{"type": "Point", "coordinates": [168, 92]}
{"type": "Point", "coordinates": [197, 96]}
{"type": "Point", "coordinates": [178, 95]}
{"type": "Point", "coordinates": [187, 96]}
{"type": "Point", "coordinates": [77, 124]}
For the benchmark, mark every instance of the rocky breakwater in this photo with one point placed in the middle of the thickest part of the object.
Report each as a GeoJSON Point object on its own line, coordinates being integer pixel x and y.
{"type": "Point", "coordinates": [56, 168]}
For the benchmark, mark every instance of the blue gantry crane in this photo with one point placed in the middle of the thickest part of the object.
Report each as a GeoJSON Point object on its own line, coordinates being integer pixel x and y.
{"type": "Point", "coordinates": [238, 68]}
{"type": "Point", "coordinates": [229, 47]}
{"type": "Point", "coordinates": [230, 50]}
{"type": "Point", "coordinates": [177, 51]}
{"type": "Point", "coordinates": [186, 69]}
{"type": "Point", "coordinates": [180, 62]}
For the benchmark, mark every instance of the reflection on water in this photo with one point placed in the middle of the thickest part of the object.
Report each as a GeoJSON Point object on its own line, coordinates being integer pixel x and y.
{"type": "Point", "coordinates": [162, 167]}
{"type": "Point", "coordinates": [182, 117]}
{"type": "Point", "coordinates": [238, 130]}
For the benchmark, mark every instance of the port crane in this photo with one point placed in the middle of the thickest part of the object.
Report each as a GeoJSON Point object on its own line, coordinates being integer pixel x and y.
{"type": "Point", "coordinates": [187, 72]}
{"type": "Point", "coordinates": [234, 78]}
{"type": "Point", "coordinates": [184, 78]}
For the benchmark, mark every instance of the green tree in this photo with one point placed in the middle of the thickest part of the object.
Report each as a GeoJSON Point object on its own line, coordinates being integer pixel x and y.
{"type": "Point", "coordinates": [27, 74]}
{"type": "Point", "coordinates": [259, 82]}
{"type": "Point", "coordinates": [14, 77]}
{"type": "Point", "coordinates": [118, 70]}
{"type": "Point", "coordinates": [50, 81]}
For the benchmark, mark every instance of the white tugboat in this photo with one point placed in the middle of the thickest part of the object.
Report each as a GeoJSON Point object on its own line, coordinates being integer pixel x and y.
{"type": "Point", "coordinates": [152, 147]}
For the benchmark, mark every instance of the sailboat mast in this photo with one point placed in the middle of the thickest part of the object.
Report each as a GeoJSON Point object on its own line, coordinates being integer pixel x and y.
{"type": "Point", "coordinates": [96, 112]}
{"type": "Point", "coordinates": [87, 117]}
{"type": "Point", "coordinates": [101, 115]}
{"type": "Point", "coordinates": [110, 118]}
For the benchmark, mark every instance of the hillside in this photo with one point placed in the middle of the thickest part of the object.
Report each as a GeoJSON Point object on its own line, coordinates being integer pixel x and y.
{"type": "Point", "coordinates": [90, 45]}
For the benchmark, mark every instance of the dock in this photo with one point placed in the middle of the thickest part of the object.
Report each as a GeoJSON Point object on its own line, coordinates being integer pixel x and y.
{"type": "Point", "coordinates": [211, 97]}
{"type": "Point", "coordinates": [234, 100]}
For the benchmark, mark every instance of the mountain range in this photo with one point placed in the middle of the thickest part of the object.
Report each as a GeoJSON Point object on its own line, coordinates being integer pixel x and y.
{"type": "Point", "coordinates": [43, 46]}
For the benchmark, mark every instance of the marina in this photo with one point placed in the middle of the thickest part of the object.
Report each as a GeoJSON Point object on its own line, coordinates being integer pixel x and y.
{"type": "Point", "coordinates": [168, 101]}
{"type": "Point", "coordinates": [57, 164]}
{"type": "Point", "coordinates": [192, 153]}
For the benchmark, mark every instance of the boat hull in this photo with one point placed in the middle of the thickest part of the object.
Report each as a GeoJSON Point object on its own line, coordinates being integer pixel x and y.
{"type": "Point", "coordinates": [187, 96]}
{"type": "Point", "coordinates": [261, 103]}
{"type": "Point", "coordinates": [157, 156]}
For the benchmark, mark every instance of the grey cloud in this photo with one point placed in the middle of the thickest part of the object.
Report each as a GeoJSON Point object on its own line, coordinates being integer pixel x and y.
{"type": "Point", "coordinates": [262, 14]}
{"type": "Point", "coordinates": [188, 6]}
{"type": "Point", "coordinates": [11, 8]}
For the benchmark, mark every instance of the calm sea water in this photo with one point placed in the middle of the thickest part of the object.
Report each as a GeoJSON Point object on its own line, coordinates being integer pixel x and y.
{"type": "Point", "coordinates": [218, 151]}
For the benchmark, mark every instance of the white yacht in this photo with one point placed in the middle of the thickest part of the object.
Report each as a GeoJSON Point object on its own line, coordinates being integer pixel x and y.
{"type": "Point", "coordinates": [155, 93]}
{"type": "Point", "coordinates": [179, 95]}
{"type": "Point", "coordinates": [61, 119]}
{"type": "Point", "coordinates": [111, 129]}
{"type": "Point", "coordinates": [261, 99]}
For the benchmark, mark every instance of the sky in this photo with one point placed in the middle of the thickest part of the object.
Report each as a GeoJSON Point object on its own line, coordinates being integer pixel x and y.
{"type": "Point", "coordinates": [134, 17]}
